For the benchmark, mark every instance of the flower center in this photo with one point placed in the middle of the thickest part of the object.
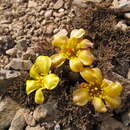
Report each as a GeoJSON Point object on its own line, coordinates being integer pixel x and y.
{"type": "Point", "coordinates": [95, 90]}
{"type": "Point", "coordinates": [70, 52]}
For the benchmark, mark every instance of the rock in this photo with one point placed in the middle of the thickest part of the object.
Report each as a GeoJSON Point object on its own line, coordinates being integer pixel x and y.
{"type": "Point", "coordinates": [29, 119]}
{"type": "Point", "coordinates": [48, 13]}
{"type": "Point", "coordinates": [57, 127]}
{"type": "Point", "coordinates": [32, 4]}
{"type": "Point", "coordinates": [128, 75]}
{"type": "Point", "coordinates": [126, 118]}
{"type": "Point", "coordinates": [40, 113]}
{"type": "Point", "coordinates": [121, 25]}
{"type": "Point", "coordinates": [38, 127]}
{"type": "Point", "coordinates": [58, 4]}
{"type": "Point", "coordinates": [46, 112]}
{"type": "Point", "coordinates": [49, 29]}
{"type": "Point", "coordinates": [127, 15]}
{"type": "Point", "coordinates": [12, 51]}
{"type": "Point", "coordinates": [62, 32]}
{"type": "Point", "coordinates": [111, 124]}
{"type": "Point", "coordinates": [18, 122]}
{"type": "Point", "coordinates": [19, 64]}
{"type": "Point", "coordinates": [8, 109]}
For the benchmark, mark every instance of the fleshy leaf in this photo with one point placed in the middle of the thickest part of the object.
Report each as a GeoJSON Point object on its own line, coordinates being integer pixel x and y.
{"type": "Point", "coordinates": [39, 97]}
{"type": "Point", "coordinates": [75, 64]}
{"type": "Point", "coordinates": [43, 64]}
{"type": "Point", "coordinates": [77, 33]}
{"type": "Point", "coordinates": [57, 60]}
{"type": "Point", "coordinates": [34, 72]}
{"type": "Point", "coordinates": [51, 81]}
{"type": "Point", "coordinates": [92, 75]}
{"type": "Point", "coordinates": [59, 41]}
{"type": "Point", "coordinates": [80, 96]}
{"type": "Point", "coordinates": [113, 102]}
{"type": "Point", "coordinates": [85, 57]}
{"type": "Point", "coordinates": [99, 105]}
{"type": "Point", "coordinates": [84, 44]}
{"type": "Point", "coordinates": [113, 90]}
{"type": "Point", "coordinates": [32, 85]}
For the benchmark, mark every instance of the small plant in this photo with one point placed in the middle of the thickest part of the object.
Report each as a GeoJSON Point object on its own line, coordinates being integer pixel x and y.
{"type": "Point", "coordinates": [75, 49]}
{"type": "Point", "coordinates": [43, 79]}
{"type": "Point", "coordinates": [98, 90]}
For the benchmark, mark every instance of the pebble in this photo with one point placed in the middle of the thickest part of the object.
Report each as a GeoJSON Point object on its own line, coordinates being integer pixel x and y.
{"type": "Point", "coordinates": [19, 64]}
{"type": "Point", "coordinates": [50, 28]}
{"type": "Point", "coordinates": [121, 25]}
{"type": "Point", "coordinates": [48, 13]}
{"type": "Point", "coordinates": [8, 108]}
{"type": "Point", "coordinates": [38, 127]}
{"type": "Point", "coordinates": [32, 4]}
{"type": "Point", "coordinates": [12, 51]}
{"type": "Point", "coordinates": [62, 32]}
{"type": "Point", "coordinates": [126, 118]}
{"type": "Point", "coordinates": [127, 15]}
{"type": "Point", "coordinates": [29, 119]}
{"type": "Point", "coordinates": [128, 75]}
{"type": "Point", "coordinates": [18, 122]}
{"type": "Point", "coordinates": [40, 113]}
{"type": "Point", "coordinates": [111, 124]}
{"type": "Point", "coordinates": [58, 4]}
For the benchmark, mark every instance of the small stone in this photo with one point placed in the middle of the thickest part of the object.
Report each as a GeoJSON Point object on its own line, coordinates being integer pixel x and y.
{"type": "Point", "coordinates": [19, 64]}
{"type": "Point", "coordinates": [49, 29]}
{"type": "Point", "coordinates": [58, 4]}
{"type": "Point", "coordinates": [115, 124]}
{"type": "Point", "coordinates": [48, 13]}
{"type": "Point", "coordinates": [8, 109]}
{"type": "Point", "coordinates": [57, 127]}
{"type": "Point", "coordinates": [126, 118]}
{"type": "Point", "coordinates": [40, 113]}
{"type": "Point", "coordinates": [128, 75]}
{"type": "Point", "coordinates": [127, 15]}
{"type": "Point", "coordinates": [29, 119]}
{"type": "Point", "coordinates": [18, 122]}
{"type": "Point", "coordinates": [38, 127]}
{"type": "Point", "coordinates": [121, 25]}
{"type": "Point", "coordinates": [32, 4]}
{"type": "Point", "coordinates": [62, 32]}
{"type": "Point", "coordinates": [12, 51]}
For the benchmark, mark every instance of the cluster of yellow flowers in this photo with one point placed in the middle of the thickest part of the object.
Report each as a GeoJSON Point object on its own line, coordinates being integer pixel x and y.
{"type": "Point", "coordinates": [101, 92]}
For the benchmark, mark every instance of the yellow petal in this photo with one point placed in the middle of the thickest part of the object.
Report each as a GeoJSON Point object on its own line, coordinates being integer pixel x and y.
{"type": "Point", "coordinates": [39, 98]}
{"type": "Point", "coordinates": [34, 72]}
{"type": "Point", "coordinates": [57, 60]}
{"type": "Point", "coordinates": [59, 41]}
{"type": "Point", "coordinates": [92, 75]}
{"type": "Point", "coordinates": [77, 33]}
{"type": "Point", "coordinates": [105, 83]}
{"type": "Point", "coordinates": [31, 85]}
{"type": "Point", "coordinates": [113, 102]}
{"type": "Point", "coordinates": [80, 96]}
{"type": "Point", "coordinates": [75, 64]}
{"type": "Point", "coordinates": [85, 43]}
{"type": "Point", "coordinates": [85, 57]}
{"type": "Point", "coordinates": [113, 89]}
{"type": "Point", "coordinates": [51, 81]}
{"type": "Point", "coordinates": [72, 43]}
{"type": "Point", "coordinates": [99, 105]}
{"type": "Point", "coordinates": [43, 64]}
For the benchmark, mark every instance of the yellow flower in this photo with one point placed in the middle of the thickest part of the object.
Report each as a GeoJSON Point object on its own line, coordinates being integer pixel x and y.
{"type": "Point", "coordinates": [75, 49]}
{"type": "Point", "coordinates": [102, 92]}
{"type": "Point", "coordinates": [42, 78]}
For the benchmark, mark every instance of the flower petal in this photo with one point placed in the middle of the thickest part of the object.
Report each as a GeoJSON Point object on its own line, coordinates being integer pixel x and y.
{"type": "Point", "coordinates": [32, 85]}
{"type": "Point", "coordinates": [92, 75]}
{"type": "Point", "coordinates": [39, 98]}
{"type": "Point", "coordinates": [72, 43]}
{"type": "Point", "coordinates": [34, 72]}
{"type": "Point", "coordinates": [99, 105]}
{"type": "Point", "coordinates": [105, 83]}
{"type": "Point", "coordinates": [113, 89]}
{"type": "Point", "coordinates": [85, 57]}
{"type": "Point", "coordinates": [80, 96]}
{"type": "Point", "coordinates": [57, 60]}
{"type": "Point", "coordinates": [75, 64]}
{"type": "Point", "coordinates": [43, 64]}
{"type": "Point", "coordinates": [51, 81]}
{"type": "Point", "coordinates": [113, 102]}
{"type": "Point", "coordinates": [85, 43]}
{"type": "Point", "coordinates": [59, 41]}
{"type": "Point", "coordinates": [77, 33]}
